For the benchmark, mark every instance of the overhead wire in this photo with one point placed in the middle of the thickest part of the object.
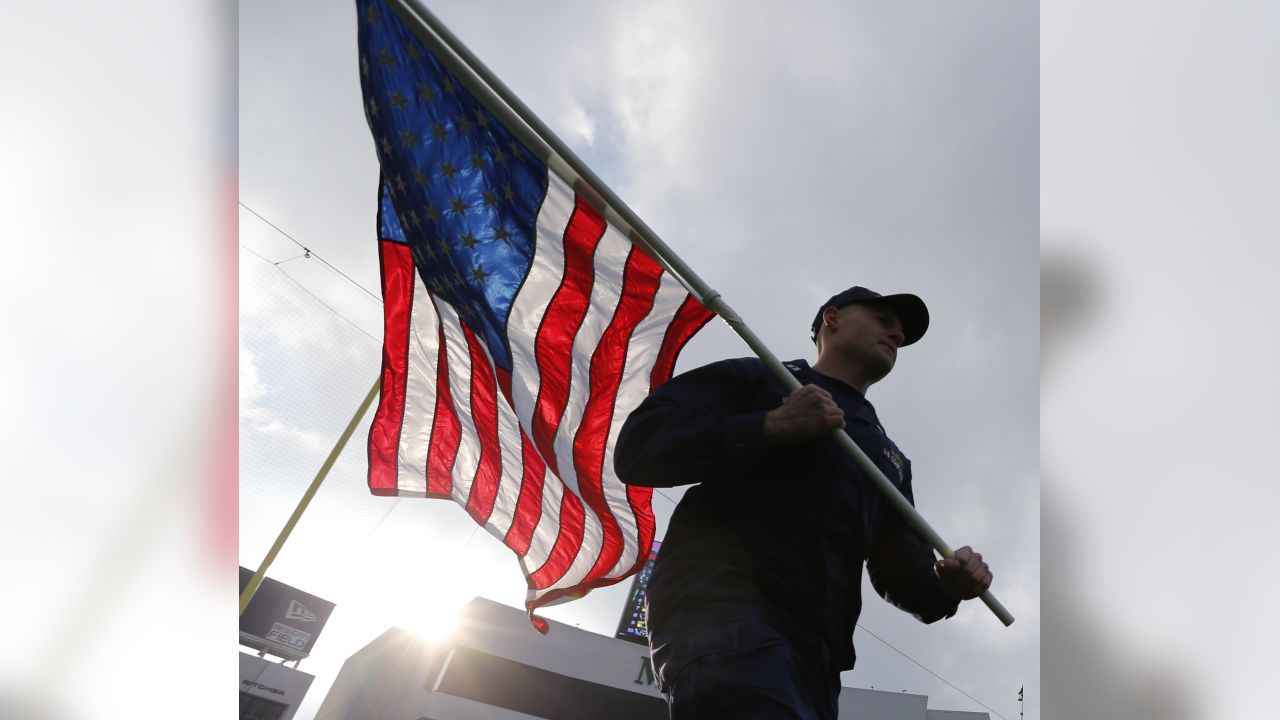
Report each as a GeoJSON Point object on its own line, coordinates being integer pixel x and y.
{"type": "Point", "coordinates": [313, 295]}
{"type": "Point", "coordinates": [922, 667]}
{"type": "Point", "coordinates": [309, 252]}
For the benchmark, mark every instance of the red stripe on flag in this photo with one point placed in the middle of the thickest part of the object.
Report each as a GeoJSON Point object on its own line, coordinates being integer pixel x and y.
{"type": "Point", "coordinates": [640, 283]}
{"type": "Point", "coordinates": [642, 497]}
{"type": "Point", "coordinates": [446, 433]}
{"type": "Point", "coordinates": [484, 414]}
{"type": "Point", "coordinates": [568, 543]}
{"type": "Point", "coordinates": [504, 383]}
{"type": "Point", "coordinates": [398, 278]}
{"type": "Point", "coordinates": [689, 319]}
{"type": "Point", "coordinates": [529, 505]}
{"type": "Point", "coordinates": [554, 344]}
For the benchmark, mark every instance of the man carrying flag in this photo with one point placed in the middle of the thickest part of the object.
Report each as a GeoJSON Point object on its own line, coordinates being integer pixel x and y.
{"type": "Point", "coordinates": [521, 326]}
{"type": "Point", "coordinates": [754, 598]}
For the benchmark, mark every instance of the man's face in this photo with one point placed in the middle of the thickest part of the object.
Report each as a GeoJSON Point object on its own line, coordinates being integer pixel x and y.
{"type": "Point", "coordinates": [867, 335]}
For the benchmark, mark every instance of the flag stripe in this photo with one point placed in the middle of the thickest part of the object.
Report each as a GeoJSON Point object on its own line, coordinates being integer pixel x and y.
{"type": "Point", "coordinates": [528, 312]}
{"type": "Point", "coordinates": [560, 325]}
{"type": "Point", "coordinates": [511, 448]}
{"type": "Point", "coordinates": [635, 385]}
{"type": "Point", "coordinates": [420, 381]}
{"type": "Point", "coordinates": [530, 305]}
{"type": "Point", "coordinates": [446, 433]}
{"type": "Point", "coordinates": [640, 285]}
{"type": "Point", "coordinates": [608, 264]}
{"type": "Point", "coordinates": [690, 318]}
{"type": "Point", "coordinates": [568, 541]}
{"type": "Point", "coordinates": [384, 433]}
{"type": "Point", "coordinates": [528, 510]}
{"type": "Point", "coordinates": [467, 457]}
{"type": "Point", "coordinates": [484, 414]}
{"type": "Point", "coordinates": [545, 532]}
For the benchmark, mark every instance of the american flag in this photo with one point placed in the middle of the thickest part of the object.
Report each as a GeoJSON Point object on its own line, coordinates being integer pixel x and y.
{"type": "Point", "coordinates": [521, 328]}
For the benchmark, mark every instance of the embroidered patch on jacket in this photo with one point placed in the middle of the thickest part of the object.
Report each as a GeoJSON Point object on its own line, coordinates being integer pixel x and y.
{"type": "Point", "coordinates": [896, 458]}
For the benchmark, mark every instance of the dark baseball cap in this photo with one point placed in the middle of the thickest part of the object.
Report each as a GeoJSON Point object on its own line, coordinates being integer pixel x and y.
{"type": "Point", "coordinates": [909, 308]}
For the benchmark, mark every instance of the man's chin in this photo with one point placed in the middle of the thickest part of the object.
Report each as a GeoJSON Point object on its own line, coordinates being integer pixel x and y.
{"type": "Point", "coordinates": [878, 371]}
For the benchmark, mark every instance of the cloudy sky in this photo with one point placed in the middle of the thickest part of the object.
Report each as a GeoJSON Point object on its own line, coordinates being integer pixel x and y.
{"type": "Point", "coordinates": [785, 154]}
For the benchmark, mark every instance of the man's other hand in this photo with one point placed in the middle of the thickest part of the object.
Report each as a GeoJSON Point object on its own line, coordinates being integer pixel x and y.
{"type": "Point", "coordinates": [964, 575]}
{"type": "Point", "coordinates": [805, 414]}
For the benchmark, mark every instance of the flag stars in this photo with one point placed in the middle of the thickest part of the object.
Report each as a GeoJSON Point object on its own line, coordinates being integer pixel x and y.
{"type": "Point", "coordinates": [413, 219]}
{"type": "Point", "coordinates": [425, 92]}
{"type": "Point", "coordinates": [373, 108]}
{"type": "Point", "coordinates": [448, 87]}
{"type": "Point", "coordinates": [500, 233]}
{"type": "Point", "coordinates": [438, 132]}
{"type": "Point", "coordinates": [457, 206]}
{"type": "Point", "coordinates": [373, 16]}
{"type": "Point", "coordinates": [468, 241]}
{"type": "Point", "coordinates": [411, 51]}
{"type": "Point", "coordinates": [385, 58]}
{"type": "Point", "coordinates": [500, 156]}
{"type": "Point", "coordinates": [432, 214]}
{"type": "Point", "coordinates": [515, 149]}
{"type": "Point", "coordinates": [463, 124]}
{"type": "Point", "coordinates": [408, 139]}
{"type": "Point", "coordinates": [364, 66]}
{"type": "Point", "coordinates": [482, 118]}
{"type": "Point", "coordinates": [419, 177]}
{"type": "Point", "coordinates": [399, 100]}
{"type": "Point", "coordinates": [399, 182]}
{"type": "Point", "coordinates": [508, 191]}
{"type": "Point", "coordinates": [478, 274]}
{"type": "Point", "coordinates": [477, 161]}
{"type": "Point", "coordinates": [490, 200]}
{"type": "Point", "coordinates": [386, 146]}
{"type": "Point", "coordinates": [447, 170]}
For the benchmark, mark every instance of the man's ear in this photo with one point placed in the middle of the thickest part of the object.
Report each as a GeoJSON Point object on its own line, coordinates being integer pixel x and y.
{"type": "Point", "coordinates": [830, 317]}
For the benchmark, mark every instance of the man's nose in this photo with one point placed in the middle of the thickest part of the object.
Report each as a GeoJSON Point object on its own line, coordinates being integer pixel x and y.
{"type": "Point", "coordinates": [895, 333]}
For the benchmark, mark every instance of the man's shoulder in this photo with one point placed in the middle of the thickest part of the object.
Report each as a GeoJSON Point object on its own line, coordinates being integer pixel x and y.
{"type": "Point", "coordinates": [726, 373]}
{"type": "Point", "coordinates": [746, 367]}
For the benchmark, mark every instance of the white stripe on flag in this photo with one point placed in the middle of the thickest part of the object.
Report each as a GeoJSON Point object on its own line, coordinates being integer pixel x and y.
{"type": "Point", "coordinates": [459, 357]}
{"type": "Point", "coordinates": [642, 353]}
{"type": "Point", "coordinates": [530, 305]}
{"type": "Point", "coordinates": [420, 393]}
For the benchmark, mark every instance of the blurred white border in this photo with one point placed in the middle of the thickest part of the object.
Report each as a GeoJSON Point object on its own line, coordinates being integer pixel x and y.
{"type": "Point", "coordinates": [117, 368]}
{"type": "Point", "coordinates": [1159, 175]}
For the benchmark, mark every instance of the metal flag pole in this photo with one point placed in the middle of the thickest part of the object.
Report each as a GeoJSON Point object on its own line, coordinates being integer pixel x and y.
{"type": "Point", "coordinates": [522, 122]}
{"type": "Point", "coordinates": [252, 587]}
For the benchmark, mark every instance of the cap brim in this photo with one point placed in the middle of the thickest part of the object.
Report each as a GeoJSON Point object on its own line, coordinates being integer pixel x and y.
{"type": "Point", "coordinates": [911, 312]}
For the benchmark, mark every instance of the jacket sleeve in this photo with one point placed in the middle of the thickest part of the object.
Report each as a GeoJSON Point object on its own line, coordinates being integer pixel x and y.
{"type": "Point", "coordinates": [901, 568]}
{"type": "Point", "coordinates": [698, 426]}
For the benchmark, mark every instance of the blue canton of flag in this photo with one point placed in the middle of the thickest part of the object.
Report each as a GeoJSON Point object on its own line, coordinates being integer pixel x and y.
{"type": "Point", "coordinates": [471, 190]}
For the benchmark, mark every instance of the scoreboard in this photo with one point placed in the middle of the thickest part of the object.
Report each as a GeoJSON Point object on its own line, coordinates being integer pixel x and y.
{"type": "Point", "coordinates": [633, 625]}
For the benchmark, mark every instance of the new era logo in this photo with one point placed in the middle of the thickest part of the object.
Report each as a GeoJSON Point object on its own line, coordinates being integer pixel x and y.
{"type": "Point", "coordinates": [298, 611]}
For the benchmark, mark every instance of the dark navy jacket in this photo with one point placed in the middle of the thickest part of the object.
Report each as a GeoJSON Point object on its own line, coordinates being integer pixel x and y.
{"type": "Point", "coordinates": [781, 532]}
